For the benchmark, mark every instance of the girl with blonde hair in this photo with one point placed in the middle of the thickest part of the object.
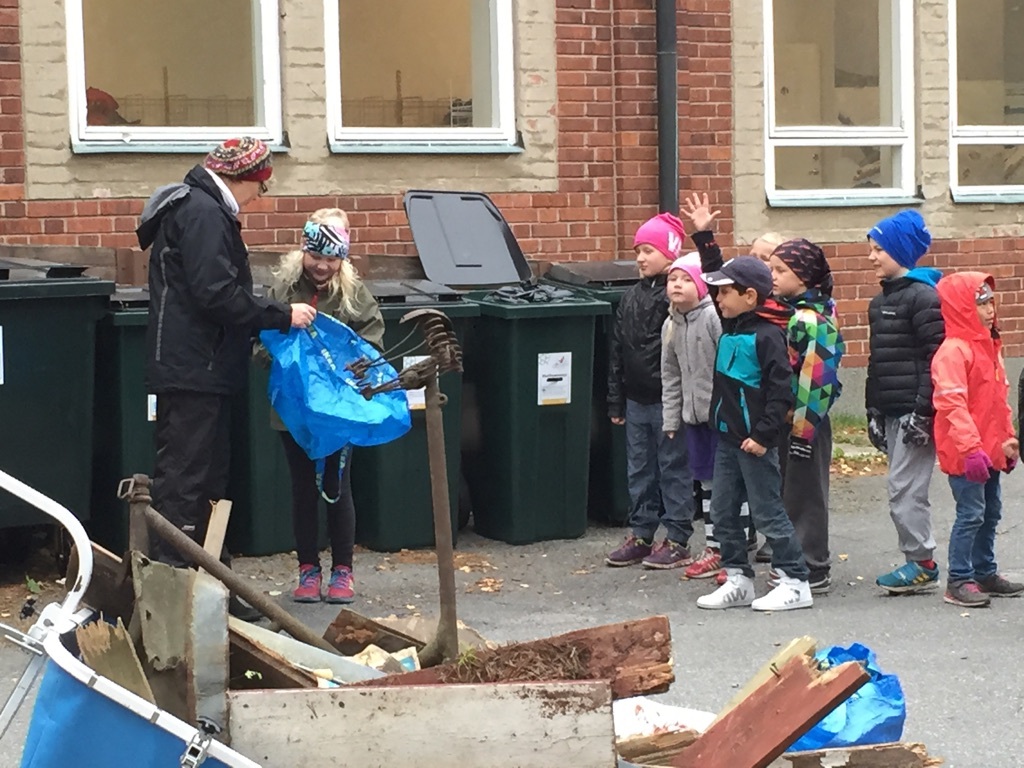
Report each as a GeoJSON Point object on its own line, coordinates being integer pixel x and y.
{"type": "Point", "coordinates": [322, 274]}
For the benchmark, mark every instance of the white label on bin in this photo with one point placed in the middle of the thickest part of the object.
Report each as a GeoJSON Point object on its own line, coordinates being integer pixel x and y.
{"type": "Point", "coordinates": [150, 407]}
{"type": "Point", "coordinates": [554, 378]}
{"type": "Point", "coordinates": [1, 354]}
{"type": "Point", "coordinates": [417, 397]}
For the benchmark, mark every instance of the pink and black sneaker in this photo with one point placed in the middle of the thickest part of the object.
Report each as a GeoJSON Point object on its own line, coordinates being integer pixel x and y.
{"type": "Point", "coordinates": [341, 588]}
{"type": "Point", "coordinates": [310, 580]}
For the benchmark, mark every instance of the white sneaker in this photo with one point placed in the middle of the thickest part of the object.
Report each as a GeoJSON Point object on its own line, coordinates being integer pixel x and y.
{"type": "Point", "coordinates": [737, 592]}
{"type": "Point", "coordinates": [789, 595]}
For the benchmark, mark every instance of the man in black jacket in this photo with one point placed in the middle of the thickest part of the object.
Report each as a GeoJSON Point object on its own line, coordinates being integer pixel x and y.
{"type": "Point", "coordinates": [202, 316]}
{"type": "Point", "coordinates": [906, 326]}
{"type": "Point", "coordinates": [660, 481]}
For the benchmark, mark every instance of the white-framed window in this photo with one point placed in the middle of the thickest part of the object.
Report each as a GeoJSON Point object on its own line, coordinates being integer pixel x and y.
{"type": "Point", "coordinates": [160, 75]}
{"type": "Point", "coordinates": [420, 74]}
{"type": "Point", "coordinates": [986, 98]}
{"type": "Point", "coordinates": [839, 108]}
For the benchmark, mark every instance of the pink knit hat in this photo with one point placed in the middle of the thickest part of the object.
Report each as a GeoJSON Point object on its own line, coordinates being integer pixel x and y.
{"type": "Point", "coordinates": [664, 232]}
{"type": "Point", "coordinates": [690, 264]}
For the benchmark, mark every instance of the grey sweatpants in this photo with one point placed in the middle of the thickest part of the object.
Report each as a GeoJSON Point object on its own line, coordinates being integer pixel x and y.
{"type": "Point", "coordinates": [910, 472]}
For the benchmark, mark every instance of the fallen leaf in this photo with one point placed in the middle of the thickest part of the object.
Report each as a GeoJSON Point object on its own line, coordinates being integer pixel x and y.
{"type": "Point", "coordinates": [274, 593]}
{"type": "Point", "coordinates": [860, 578]}
{"type": "Point", "coordinates": [965, 615]}
{"type": "Point", "coordinates": [486, 584]}
{"type": "Point", "coordinates": [525, 586]}
{"type": "Point", "coordinates": [410, 607]}
{"type": "Point", "coordinates": [32, 585]}
{"type": "Point", "coordinates": [5, 615]}
{"type": "Point", "coordinates": [582, 571]}
{"type": "Point", "coordinates": [844, 558]}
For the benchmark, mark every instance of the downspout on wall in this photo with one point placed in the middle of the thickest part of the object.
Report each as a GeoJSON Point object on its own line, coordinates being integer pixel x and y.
{"type": "Point", "coordinates": [668, 106]}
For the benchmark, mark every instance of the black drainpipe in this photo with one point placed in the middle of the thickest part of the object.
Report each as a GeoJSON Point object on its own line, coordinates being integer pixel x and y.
{"type": "Point", "coordinates": [668, 106]}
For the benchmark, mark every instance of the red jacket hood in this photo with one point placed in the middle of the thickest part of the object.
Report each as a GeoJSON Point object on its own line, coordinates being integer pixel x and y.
{"type": "Point", "coordinates": [959, 310]}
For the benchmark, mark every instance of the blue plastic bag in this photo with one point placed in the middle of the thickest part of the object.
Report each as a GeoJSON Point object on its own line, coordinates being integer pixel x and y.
{"type": "Point", "coordinates": [318, 399]}
{"type": "Point", "coordinates": [872, 715]}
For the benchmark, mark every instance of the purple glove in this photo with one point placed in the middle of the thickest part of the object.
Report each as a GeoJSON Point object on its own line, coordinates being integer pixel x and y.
{"type": "Point", "coordinates": [1011, 464]}
{"type": "Point", "coordinates": [977, 466]}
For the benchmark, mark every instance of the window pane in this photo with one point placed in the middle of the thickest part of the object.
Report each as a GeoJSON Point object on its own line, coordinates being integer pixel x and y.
{"type": "Point", "coordinates": [990, 164]}
{"type": "Point", "coordinates": [990, 62]}
{"type": "Point", "coordinates": [836, 167]}
{"type": "Point", "coordinates": [169, 62]}
{"type": "Point", "coordinates": [833, 63]}
{"type": "Point", "coordinates": [416, 63]}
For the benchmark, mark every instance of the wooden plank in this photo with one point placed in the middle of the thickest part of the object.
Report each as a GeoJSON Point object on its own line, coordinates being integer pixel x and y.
{"type": "Point", "coordinates": [108, 650]}
{"type": "Point", "coordinates": [217, 529]}
{"type": "Point", "coordinates": [351, 632]}
{"type": "Point", "coordinates": [534, 725]}
{"type": "Point", "coordinates": [903, 755]}
{"type": "Point", "coordinates": [801, 646]}
{"type": "Point", "coordinates": [636, 656]}
{"type": "Point", "coordinates": [658, 749]}
{"type": "Point", "coordinates": [110, 590]}
{"type": "Point", "coordinates": [774, 716]}
{"type": "Point", "coordinates": [254, 666]}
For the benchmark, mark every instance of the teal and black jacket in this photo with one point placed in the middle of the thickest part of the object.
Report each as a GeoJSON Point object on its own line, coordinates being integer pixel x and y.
{"type": "Point", "coordinates": [753, 389]}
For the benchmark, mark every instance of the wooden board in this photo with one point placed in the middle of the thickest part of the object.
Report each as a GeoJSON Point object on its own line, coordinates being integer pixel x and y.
{"type": "Point", "coordinates": [774, 716]}
{"type": "Point", "coordinates": [351, 632]}
{"type": "Point", "coordinates": [658, 749]}
{"type": "Point", "coordinates": [268, 669]}
{"type": "Point", "coordinates": [533, 725]}
{"type": "Point", "coordinates": [218, 527]}
{"type": "Point", "coordinates": [110, 590]}
{"type": "Point", "coordinates": [801, 646]}
{"type": "Point", "coordinates": [904, 755]}
{"type": "Point", "coordinates": [636, 656]}
{"type": "Point", "coordinates": [109, 651]}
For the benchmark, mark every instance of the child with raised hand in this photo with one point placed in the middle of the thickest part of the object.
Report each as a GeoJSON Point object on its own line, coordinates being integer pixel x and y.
{"type": "Point", "coordinates": [322, 275]}
{"type": "Point", "coordinates": [802, 280]}
{"type": "Point", "coordinates": [660, 483]}
{"type": "Point", "coordinates": [690, 338]}
{"type": "Point", "coordinates": [906, 327]}
{"type": "Point", "coordinates": [974, 435]}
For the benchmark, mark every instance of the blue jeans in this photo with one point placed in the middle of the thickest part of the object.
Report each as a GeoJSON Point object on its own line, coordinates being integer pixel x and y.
{"type": "Point", "coordinates": [739, 477]}
{"type": "Point", "coordinates": [660, 481]}
{"type": "Point", "coordinates": [972, 542]}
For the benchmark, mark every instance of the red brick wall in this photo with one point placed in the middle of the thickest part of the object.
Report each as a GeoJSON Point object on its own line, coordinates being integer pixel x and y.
{"type": "Point", "coordinates": [607, 147]}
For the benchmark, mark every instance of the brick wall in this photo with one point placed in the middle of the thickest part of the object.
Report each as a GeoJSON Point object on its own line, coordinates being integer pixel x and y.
{"type": "Point", "coordinates": [607, 163]}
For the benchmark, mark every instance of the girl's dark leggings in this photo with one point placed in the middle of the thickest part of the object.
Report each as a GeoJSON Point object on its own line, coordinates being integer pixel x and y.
{"type": "Point", "coordinates": [341, 515]}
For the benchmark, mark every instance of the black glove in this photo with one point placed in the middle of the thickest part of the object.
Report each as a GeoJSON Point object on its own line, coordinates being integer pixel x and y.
{"type": "Point", "coordinates": [917, 430]}
{"type": "Point", "coordinates": [800, 449]}
{"type": "Point", "coordinates": [876, 431]}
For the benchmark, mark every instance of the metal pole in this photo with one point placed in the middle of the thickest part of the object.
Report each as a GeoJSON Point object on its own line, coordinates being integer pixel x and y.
{"type": "Point", "coordinates": [666, 34]}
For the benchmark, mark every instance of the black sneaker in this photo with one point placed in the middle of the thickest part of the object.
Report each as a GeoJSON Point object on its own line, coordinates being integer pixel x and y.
{"type": "Point", "coordinates": [997, 586]}
{"type": "Point", "coordinates": [764, 554]}
{"type": "Point", "coordinates": [821, 583]}
{"type": "Point", "coordinates": [242, 610]}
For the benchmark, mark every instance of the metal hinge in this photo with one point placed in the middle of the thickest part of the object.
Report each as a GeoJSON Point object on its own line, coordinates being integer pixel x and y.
{"type": "Point", "coordinates": [196, 751]}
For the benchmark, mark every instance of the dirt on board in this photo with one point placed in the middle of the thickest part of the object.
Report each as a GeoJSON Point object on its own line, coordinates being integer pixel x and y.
{"type": "Point", "coordinates": [516, 664]}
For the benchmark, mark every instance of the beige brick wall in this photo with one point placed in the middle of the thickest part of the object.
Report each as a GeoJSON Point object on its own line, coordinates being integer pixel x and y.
{"type": "Point", "coordinates": [837, 225]}
{"type": "Point", "coordinates": [54, 172]}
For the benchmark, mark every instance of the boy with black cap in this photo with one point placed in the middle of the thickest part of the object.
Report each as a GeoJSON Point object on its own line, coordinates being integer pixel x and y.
{"type": "Point", "coordinates": [906, 329]}
{"type": "Point", "coordinates": [752, 396]}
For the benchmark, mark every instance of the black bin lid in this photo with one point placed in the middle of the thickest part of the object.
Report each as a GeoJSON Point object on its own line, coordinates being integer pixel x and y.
{"type": "Point", "coordinates": [595, 274]}
{"type": "Point", "coordinates": [391, 292]}
{"type": "Point", "coordinates": [36, 269]}
{"type": "Point", "coordinates": [130, 298]}
{"type": "Point", "coordinates": [463, 239]}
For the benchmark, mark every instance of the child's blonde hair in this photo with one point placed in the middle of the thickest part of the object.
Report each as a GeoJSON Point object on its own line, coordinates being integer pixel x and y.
{"type": "Point", "coordinates": [343, 283]}
{"type": "Point", "coordinates": [774, 239]}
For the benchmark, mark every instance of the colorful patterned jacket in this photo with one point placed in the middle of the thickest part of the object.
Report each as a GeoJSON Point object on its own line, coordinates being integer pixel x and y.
{"type": "Point", "coordinates": [815, 349]}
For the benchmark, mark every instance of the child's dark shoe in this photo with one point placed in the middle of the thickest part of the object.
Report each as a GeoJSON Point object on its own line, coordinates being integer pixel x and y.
{"type": "Point", "coordinates": [668, 554]}
{"type": "Point", "coordinates": [308, 590]}
{"type": "Point", "coordinates": [997, 586]}
{"type": "Point", "coordinates": [632, 551]}
{"type": "Point", "coordinates": [966, 594]}
{"type": "Point", "coordinates": [341, 588]}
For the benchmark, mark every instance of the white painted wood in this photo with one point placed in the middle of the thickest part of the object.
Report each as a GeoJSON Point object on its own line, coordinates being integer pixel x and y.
{"type": "Point", "coordinates": [217, 530]}
{"type": "Point", "coordinates": [532, 725]}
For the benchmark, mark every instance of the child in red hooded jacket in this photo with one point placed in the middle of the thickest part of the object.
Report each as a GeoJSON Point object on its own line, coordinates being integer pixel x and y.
{"type": "Point", "coordinates": [974, 435]}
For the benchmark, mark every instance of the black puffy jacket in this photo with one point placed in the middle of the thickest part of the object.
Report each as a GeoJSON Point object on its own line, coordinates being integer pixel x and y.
{"type": "Point", "coordinates": [202, 312]}
{"type": "Point", "coordinates": [906, 328]}
{"type": "Point", "coordinates": [634, 368]}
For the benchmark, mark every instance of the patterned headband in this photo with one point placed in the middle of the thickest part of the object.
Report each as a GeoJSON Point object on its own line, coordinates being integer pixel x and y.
{"type": "Point", "coordinates": [325, 240]}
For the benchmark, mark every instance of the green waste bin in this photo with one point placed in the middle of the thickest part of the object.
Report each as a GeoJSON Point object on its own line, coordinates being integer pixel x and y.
{"type": "Point", "coordinates": [391, 483]}
{"type": "Point", "coordinates": [48, 317]}
{"type": "Point", "coordinates": [608, 498]}
{"type": "Point", "coordinates": [529, 372]}
{"type": "Point", "coordinates": [125, 414]}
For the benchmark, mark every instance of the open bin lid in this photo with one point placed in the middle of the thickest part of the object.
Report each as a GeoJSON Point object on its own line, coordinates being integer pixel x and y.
{"type": "Point", "coordinates": [463, 239]}
{"type": "Point", "coordinates": [36, 269]}
{"type": "Point", "coordinates": [595, 274]}
{"type": "Point", "coordinates": [401, 292]}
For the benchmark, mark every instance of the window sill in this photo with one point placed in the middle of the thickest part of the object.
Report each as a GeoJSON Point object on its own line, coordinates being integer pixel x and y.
{"type": "Point", "coordinates": [150, 147]}
{"type": "Point", "coordinates": [842, 201]}
{"type": "Point", "coordinates": [1012, 196]}
{"type": "Point", "coordinates": [424, 148]}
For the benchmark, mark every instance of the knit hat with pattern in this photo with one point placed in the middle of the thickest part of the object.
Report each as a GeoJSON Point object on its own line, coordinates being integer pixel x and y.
{"type": "Point", "coordinates": [244, 159]}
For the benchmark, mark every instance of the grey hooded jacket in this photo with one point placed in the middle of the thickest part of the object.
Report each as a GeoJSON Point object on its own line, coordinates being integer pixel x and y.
{"type": "Point", "coordinates": [689, 342]}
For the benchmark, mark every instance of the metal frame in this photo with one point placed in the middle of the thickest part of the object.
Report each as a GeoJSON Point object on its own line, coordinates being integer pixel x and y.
{"type": "Point", "coordinates": [974, 134]}
{"type": "Point", "coordinates": [901, 135]}
{"type": "Point", "coordinates": [502, 136]}
{"type": "Point", "coordinates": [266, 96]}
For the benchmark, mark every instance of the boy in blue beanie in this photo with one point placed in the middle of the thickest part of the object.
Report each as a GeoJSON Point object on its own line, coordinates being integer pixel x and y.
{"type": "Point", "coordinates": [906, 328]}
